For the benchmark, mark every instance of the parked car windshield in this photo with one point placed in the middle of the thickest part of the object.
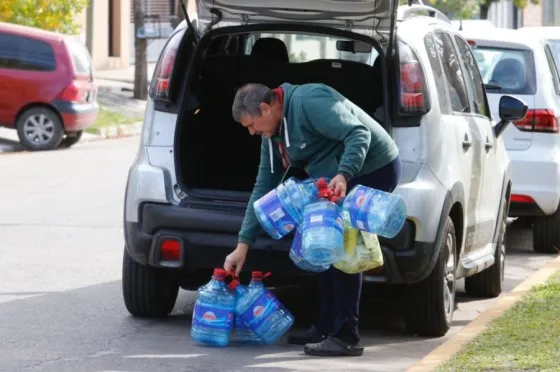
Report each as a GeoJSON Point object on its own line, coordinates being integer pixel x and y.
{"type": "Point", "coordinates": [309, 47]}
{"type": "Point", "coordinates": [507, 71]}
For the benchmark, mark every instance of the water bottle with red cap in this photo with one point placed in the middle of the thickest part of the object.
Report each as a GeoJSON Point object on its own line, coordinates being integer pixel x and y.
{"type": "Point", "coordinates": [261, 311]}
{"type": "Point", "coordinates": [323, 230]}
{"type": "Point", "coordinates": [375, 211]}
{"type": "Point", "coordinates": [213, 312]}
{"type": "Point", "coordinates": [281, 209]}
{"type": "Point", "coordinates": [243, 333]}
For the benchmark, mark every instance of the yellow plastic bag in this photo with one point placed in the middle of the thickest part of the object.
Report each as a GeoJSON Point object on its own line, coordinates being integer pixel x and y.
{"type": "Point", "coordinates": [362, 252]}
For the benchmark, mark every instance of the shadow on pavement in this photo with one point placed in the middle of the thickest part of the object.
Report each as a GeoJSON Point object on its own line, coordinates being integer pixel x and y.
{"type": "Point", "coordinates": [10, 146]}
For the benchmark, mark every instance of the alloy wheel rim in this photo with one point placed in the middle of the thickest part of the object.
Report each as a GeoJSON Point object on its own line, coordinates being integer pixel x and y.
{"type": "Point", "coordinates": [449, 279]}
{"type": "Point", "coordinates": [39, 129]}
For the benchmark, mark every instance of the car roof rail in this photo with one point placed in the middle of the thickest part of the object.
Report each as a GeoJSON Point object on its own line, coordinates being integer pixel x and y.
{"type": "Point", "coordinates": [419, 9]}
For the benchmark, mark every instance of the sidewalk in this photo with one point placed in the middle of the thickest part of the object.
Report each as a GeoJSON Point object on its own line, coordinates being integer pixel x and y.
{"type": "Point", "coordinates": [124, 75]}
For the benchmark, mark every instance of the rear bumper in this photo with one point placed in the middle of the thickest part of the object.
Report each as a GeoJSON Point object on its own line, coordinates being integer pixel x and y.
{"type": "Point", "coordinates": [207, 236]}
{"type": "Point", "coordinates": [537, 176]}
{"type": "Point", "coordinates": [76, 116]}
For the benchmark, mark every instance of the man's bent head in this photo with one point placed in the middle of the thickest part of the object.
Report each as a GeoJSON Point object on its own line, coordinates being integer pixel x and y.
{"type": "Point", "coordinates": [257, 108]}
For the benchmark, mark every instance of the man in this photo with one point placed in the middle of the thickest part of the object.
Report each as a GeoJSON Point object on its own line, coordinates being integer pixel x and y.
{"type": "Point", "coordinates": [314, 127]}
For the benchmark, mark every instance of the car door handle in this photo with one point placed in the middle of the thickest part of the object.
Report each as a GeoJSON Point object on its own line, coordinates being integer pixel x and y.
{"type": "Point", "coordinates": [467, 143]}
{"type": "Point", "coordinates": [488, 145]}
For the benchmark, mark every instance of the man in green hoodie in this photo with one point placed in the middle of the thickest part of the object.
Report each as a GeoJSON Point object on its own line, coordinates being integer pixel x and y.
{"type": "Point", "coordinates": [315, 128]}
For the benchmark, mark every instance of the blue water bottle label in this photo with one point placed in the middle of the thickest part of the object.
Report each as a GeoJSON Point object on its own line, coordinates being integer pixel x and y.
{"type": "Point", "coordinates": [362, 201]}
{"type": "Point", "coordinates": [257, 314]}
{"type": "Point", "coordinates": [275, 213]}
{"type": "Point", "coordinates": [211, 317]}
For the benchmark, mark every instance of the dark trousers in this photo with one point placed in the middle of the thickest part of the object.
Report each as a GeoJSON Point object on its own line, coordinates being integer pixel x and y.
{"type": "Point", "coordinates": [340, 292]}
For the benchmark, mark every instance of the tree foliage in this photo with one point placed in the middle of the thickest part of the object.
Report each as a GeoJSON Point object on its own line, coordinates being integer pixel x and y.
{"type": "Point", "coordinates": [52, 15]}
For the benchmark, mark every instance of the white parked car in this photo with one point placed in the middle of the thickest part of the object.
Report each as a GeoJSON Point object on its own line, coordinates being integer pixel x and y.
{"type": "Point", "coordinates": [189, 185]}
{"type": "Point", "coordinates": [525, 63]}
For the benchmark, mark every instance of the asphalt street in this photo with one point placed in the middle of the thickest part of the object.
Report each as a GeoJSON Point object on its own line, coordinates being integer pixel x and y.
{"type": "Point", "coordinates": [61, 307]}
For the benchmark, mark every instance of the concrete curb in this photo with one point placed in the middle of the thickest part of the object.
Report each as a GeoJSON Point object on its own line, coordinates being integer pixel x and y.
{"type": "Point", "coordinates": [117, 131]}
{"type": "Point", "coordinates": [452, 346]}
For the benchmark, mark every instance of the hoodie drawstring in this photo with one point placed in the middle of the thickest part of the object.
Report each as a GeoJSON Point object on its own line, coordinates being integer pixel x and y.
{"type": "Point", "coordinates": [283, 151]}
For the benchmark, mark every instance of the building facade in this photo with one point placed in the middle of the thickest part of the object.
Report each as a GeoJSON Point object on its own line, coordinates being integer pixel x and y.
{"type": "Point", "coordinates": [503, 13]}
{"type": "Point", "coordinates": [108, 22]}
{"type": "Point", "coordinates": [111, 22]}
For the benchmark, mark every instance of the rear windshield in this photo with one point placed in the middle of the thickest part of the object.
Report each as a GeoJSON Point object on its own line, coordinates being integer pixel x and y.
{"type": "Point", "coordinates": [507, 71]}
{"type": "Point", "coordinates": [80, 56]}
{"type": "Point", "coordinates": [309, 47]}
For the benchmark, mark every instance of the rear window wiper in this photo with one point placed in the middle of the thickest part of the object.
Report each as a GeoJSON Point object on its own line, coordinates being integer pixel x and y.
{"type": "Point", "coordinates": [492, 87]}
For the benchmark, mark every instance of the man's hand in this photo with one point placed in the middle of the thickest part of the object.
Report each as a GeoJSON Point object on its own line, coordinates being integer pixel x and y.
{"type": "Point", "coordinates": [236, 258]}
{"type": "Point", "coordinates": [338, 184]}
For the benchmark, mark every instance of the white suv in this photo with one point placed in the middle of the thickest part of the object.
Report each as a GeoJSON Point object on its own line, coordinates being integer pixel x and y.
{"type": "Point", "coordinates": [189, 185]}
{"type": "Point", "coordinates": [525, 63]}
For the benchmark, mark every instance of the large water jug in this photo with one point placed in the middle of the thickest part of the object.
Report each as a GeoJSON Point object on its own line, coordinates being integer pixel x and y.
{"type": "Point", "coordinates": [323, 233]}
{"type": "Point", "coordinates": [213, 312]}
{"type": "Point", "coordinates": [297, 258]}
{"type": "Point", "coordinates": [280, 210]}
{"type": "Point", "coordinates": [375, 211]}
{"type": "Point", "coordinates": [301, 193]}
{"type": "Point", "coordinates": [262, 312]}
{"type": "Point", "coordinates": [243, 334]}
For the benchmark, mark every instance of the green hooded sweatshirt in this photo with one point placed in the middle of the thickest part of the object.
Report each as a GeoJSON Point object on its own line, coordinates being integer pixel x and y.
{"type": "Point", "coordinates": [325, 134]}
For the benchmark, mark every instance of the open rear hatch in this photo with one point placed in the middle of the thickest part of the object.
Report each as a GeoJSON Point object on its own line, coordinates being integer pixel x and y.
{"type": "Point", "coordinates": [216, 158]}
{"type": "Point", "coordinates": [362, 14]}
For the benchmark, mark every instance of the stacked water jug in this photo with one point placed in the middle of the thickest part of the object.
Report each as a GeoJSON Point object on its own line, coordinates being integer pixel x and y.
{"type": "Point", "coordinates": [251, 313]}
{"type": "Point", "coordinates": [319, 218]}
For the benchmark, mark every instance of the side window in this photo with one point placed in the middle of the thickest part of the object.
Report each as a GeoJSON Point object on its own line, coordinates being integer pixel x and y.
{"type": "Point", "coordinates": [452, 72]}
{"type": "Point", "coordinates": [22, 53]}
{"type": "Point", "coordinates": [480, 103]}
{"type": "Point", "coordinates": [437, 69]}
{"type": "Point", "coordinates": [553, 69]}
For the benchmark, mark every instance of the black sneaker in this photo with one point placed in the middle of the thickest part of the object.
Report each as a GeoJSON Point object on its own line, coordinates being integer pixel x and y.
{"type": "Point", "coordinates": [311, 336]}
{"type": "Point", "coordinates": [332, 347]}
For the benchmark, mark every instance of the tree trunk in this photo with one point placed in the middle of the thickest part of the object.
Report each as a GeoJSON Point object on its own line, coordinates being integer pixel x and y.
{"type": "Point", "coordinates": [484, 10]}
{"type": "Point", "coordinates": [140, 47]}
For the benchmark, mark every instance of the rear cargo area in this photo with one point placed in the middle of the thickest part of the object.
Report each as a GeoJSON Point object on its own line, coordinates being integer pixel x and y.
{"type": "Point", "coordinates": [216, 153]}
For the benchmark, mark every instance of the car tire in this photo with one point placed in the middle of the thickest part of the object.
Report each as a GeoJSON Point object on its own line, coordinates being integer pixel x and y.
{"type": "Point", "coordinates": [546, 234]}
{"type": "Point", "coordinates": [148, 292]}
{"type": "Point", "coordinates": [71, 139]}
{"type": "Point", "coordinates": [45, 123]}
{"type": "Point", "coordinates": [489, 282]}
{"type": "Point", "coordinates": [430, 303]}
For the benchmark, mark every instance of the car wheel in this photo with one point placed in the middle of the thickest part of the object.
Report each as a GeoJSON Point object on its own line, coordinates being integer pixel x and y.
{"type": "Point", "coordinates": [148, 291]}
{"type": "Point", "coordinates": [431, 303]}
{"type": "Point", "coordinates": [71, 139]}
{"type": "Point", "coordinates": [489, 282]}
{"type": "Point", "coordinates": [546, 234]}
{"type": "Point", "coordinates": [39, 129]}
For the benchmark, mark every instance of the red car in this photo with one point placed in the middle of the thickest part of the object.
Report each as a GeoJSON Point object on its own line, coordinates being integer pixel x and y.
{"type": "Point", "coordinates": [47, 92]}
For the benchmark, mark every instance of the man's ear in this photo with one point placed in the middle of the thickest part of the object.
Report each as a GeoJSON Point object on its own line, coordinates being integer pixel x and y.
{"type": "Point", "coordinates": [265, 108]}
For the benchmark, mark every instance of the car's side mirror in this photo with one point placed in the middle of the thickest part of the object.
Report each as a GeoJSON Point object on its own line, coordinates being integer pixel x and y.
{"type": "Point", "coordinates": [510, 109]}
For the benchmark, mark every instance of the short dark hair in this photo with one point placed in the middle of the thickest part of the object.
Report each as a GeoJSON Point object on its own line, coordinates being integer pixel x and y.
{"type": "Point", "coordinates": [248, 100]}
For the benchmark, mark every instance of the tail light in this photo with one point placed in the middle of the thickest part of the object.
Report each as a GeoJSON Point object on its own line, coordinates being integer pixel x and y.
{"type": "Point", "coordinates": [74, 92]}
{"type": "Point", "coordinates": [413, 93]}
{"type": "Point", "coordinates": [539, 120]}
{"type": "Point", "coordinates": [159, 86]}
{"type": "Point", "coordinates": [514, 198]}
{"type": "Point", "coordinates": [170, 250]}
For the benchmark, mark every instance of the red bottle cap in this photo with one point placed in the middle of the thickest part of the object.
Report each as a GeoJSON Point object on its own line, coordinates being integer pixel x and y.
{"type": "Point", "coordinates": [220, 274]}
